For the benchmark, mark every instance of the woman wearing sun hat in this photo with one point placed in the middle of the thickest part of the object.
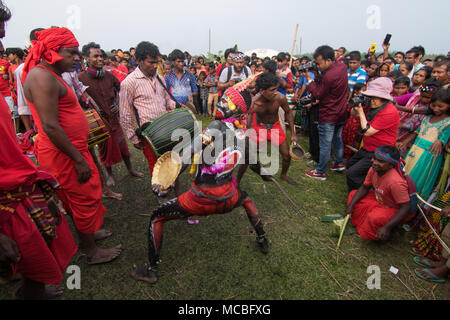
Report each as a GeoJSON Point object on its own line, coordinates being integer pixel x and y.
{"type": "Point", "coordinates": [379, 127]}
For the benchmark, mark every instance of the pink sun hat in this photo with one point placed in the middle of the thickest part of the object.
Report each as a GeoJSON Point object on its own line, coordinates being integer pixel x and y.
{"type": "Point", "coordinates": [380, 88]}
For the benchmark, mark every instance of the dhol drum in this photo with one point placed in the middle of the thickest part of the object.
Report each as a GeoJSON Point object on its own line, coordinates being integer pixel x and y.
{"type": "Point", "coordinates": [158, 134]}
{"type": "Point", "coordinates": [98, 132]}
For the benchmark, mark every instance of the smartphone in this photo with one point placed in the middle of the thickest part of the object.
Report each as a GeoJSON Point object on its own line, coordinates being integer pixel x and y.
{"type": "Point", "coordinates": [373, 47]}
{"type": "Point", "coordinates": [387, 39]}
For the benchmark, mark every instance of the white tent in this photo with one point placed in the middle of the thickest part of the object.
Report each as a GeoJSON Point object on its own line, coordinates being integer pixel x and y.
{"type": "Point", "coordinates": [262, 53]}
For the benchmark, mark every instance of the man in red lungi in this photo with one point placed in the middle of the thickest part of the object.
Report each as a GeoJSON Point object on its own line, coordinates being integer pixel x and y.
{"type": "Point", "coordinates": [104, 88]}
{"type": "Point", "coordinates": [264, 120]}
{"type": "Point", "coordinates": [376, 212]}
{"type": "Point", "coordinates": [34, 240]}
{"type": "Point", "coordinates": [61, 147]}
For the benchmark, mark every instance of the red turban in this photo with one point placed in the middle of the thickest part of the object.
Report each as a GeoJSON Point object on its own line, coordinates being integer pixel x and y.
{"type": "Point", "coordinates": [48, 43]}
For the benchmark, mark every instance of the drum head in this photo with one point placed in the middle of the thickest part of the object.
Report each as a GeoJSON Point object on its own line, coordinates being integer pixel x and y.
{"type": "Point", "coordinates": [296, 152]}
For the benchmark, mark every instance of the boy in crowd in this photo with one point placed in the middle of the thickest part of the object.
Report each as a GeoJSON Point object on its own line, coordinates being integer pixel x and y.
{"type": "Point", "coordinates": [356, 73]}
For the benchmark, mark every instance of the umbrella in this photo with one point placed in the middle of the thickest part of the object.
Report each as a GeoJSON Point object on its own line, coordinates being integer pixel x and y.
{"type": "Point", "coordinates": [262, 53]}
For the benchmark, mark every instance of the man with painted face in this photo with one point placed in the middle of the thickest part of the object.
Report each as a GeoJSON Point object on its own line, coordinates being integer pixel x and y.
{"type": "Point", "coordinates": [61, 147]}
{"type": "Point", "coordinates": [104, 88]}
{"type": "Point", "coordinates": [263, 118]}
{"type": "Point", "coordinates": [213, 191]}
{"type": "Point", "coordinates": [143, 97]}
{"type": "Point", "coordinates": [376, 212]}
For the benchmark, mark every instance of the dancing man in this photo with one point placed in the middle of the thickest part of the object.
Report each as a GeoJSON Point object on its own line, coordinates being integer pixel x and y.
{"type": "Point", "coordinates": [263, 118]}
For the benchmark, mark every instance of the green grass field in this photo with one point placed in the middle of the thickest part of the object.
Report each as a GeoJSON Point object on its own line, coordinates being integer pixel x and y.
{"type": "Point", "coordinates": [219, 257]}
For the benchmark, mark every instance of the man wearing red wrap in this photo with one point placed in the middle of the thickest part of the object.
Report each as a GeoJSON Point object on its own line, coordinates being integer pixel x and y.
{"type": "Point", "coordinates": [264, 120]}
{"type": "Point", "coordinates": [34, 240]}
{"type": "Point", "coordinates": [104, 88]}
{"type": "Point", "coordinates": [376, 212]}
{"type": "Point", "coordinates": [61, 147]}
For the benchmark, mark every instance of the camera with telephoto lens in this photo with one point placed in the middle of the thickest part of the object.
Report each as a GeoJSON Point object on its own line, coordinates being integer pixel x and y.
{"type": "Point", "coordinates": [311, 66]}
{"type": "Point", "coordinates": [360, 99]}
{"type": "Point", "coordinates": [306, 100]}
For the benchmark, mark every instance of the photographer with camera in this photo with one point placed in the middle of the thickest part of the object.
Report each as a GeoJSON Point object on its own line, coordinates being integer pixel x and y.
{"type": "Point", "coordinates": [379, 127]}
{"type": "Point", "coordinates": [331, 89]}
{"type": "Point", "coordinates": [235, 73]}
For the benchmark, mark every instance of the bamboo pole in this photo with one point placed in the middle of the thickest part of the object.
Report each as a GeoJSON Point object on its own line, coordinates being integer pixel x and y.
{"type": "Point", "coordinates": [293, 45]}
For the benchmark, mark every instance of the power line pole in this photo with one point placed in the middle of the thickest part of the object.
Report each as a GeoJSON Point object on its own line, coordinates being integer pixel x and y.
{"type": "Point", "coordinates": [209, 51]}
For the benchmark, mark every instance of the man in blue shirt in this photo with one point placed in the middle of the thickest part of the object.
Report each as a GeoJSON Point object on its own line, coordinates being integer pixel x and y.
{"type": "Point", "coordinates": [180, 82]}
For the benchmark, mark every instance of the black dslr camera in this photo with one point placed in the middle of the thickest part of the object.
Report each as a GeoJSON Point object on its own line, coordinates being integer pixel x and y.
{"type": "Point", "coordinates": [311, 66]}
{"type": "Point", "coordinates": [306, 100]}
{"type": "Point", "coordinates": [360, 99]}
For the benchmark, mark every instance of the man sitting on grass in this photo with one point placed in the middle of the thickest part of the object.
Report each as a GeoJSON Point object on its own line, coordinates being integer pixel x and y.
{"type": "Point", "coordinates": [376, 212]}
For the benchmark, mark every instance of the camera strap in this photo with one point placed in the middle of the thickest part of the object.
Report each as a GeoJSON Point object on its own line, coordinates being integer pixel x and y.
{"type": "Point", "coordinates": [373, 112]}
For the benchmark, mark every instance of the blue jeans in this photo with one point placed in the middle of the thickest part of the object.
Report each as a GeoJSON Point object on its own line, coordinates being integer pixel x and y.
{"type": "Point", "coordinates": [330, 133]}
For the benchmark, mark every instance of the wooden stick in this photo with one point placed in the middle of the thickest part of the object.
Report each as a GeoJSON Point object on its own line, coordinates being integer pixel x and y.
{"type": "Point", "coordinates": [293, 46]}
{"type": "Point", "coordinates": [444, 245]}
{"type": "Point", "coordinates": [417, 298]}
{"type": "Point", "coordinates": [429, 204]}
{"type": "Point", "coordinates": [331, 274]}
{"type": "Point", "coordinates": [287, 196]}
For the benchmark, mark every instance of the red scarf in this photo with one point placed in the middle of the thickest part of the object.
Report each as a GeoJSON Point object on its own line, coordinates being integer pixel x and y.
{"type": "Point", "coordinates": [49, 42]}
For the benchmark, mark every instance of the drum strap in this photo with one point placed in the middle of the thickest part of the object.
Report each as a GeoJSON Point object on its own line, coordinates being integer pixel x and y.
{"type": "Point", "coordinates": [142, 128]}
{"type": "Point", "coordinates": [178, 105]}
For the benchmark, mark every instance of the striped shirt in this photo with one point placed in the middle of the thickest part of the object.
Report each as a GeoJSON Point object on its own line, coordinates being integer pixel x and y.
{"type": "Point", "coordinates": [359, 76]}
{"type": "Point", "coordinates": [146, 95]}
{"type": "Point", "coordinates": [212, 79]}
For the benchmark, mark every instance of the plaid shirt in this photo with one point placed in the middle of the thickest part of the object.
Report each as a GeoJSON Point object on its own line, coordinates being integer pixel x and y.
{"type": "Point", "coordinates": [147, 96]}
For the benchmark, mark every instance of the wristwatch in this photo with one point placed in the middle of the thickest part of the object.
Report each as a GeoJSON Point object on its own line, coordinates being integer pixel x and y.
{"type": "Point", "coordinates": [365, 130]}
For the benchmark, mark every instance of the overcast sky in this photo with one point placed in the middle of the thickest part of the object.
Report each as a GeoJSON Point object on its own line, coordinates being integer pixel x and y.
{"type": "Point", "coordinates": [250, 24]}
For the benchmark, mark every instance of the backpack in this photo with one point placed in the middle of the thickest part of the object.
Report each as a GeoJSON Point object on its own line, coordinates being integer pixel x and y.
{"type": "Point", "coordinates": [230, 71]}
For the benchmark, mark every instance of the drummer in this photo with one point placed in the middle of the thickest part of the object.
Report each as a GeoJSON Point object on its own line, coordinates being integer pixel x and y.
{"type": "Point", "coordinates": [104, 88]}
{"type": "Point", "coordinates": [143, 97]}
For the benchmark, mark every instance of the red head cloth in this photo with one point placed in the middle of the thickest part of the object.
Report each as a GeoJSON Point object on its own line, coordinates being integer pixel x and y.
{"type": "Point", "coordinates": [48, 43]}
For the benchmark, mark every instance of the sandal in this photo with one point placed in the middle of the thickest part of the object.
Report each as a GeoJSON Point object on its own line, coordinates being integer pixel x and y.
{"type": "Point", "coordinates": [433, 277]}
{"type": "Point", "coordinates": [423, 262]}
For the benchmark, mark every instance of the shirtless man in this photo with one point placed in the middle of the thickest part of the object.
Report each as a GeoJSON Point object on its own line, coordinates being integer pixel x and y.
{"type": "Point", "coordinates": [264, 120]}
{"type": "Point", "coordinates": [61, 147]}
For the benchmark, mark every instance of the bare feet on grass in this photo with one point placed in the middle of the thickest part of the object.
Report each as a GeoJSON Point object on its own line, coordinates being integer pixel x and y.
{"type": "Point", "coordinates": [102, 234]}
{"type": "Point", "coordinates": [288, 180]}
{"type": "Point", "coordinates": [144, 273]}
{"type": "Point", "coordinates": [112, 195]}
{"type": "Point", "coordinates": [135, 173]}
{"type": "Point", "coordinates": [99, 255]}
